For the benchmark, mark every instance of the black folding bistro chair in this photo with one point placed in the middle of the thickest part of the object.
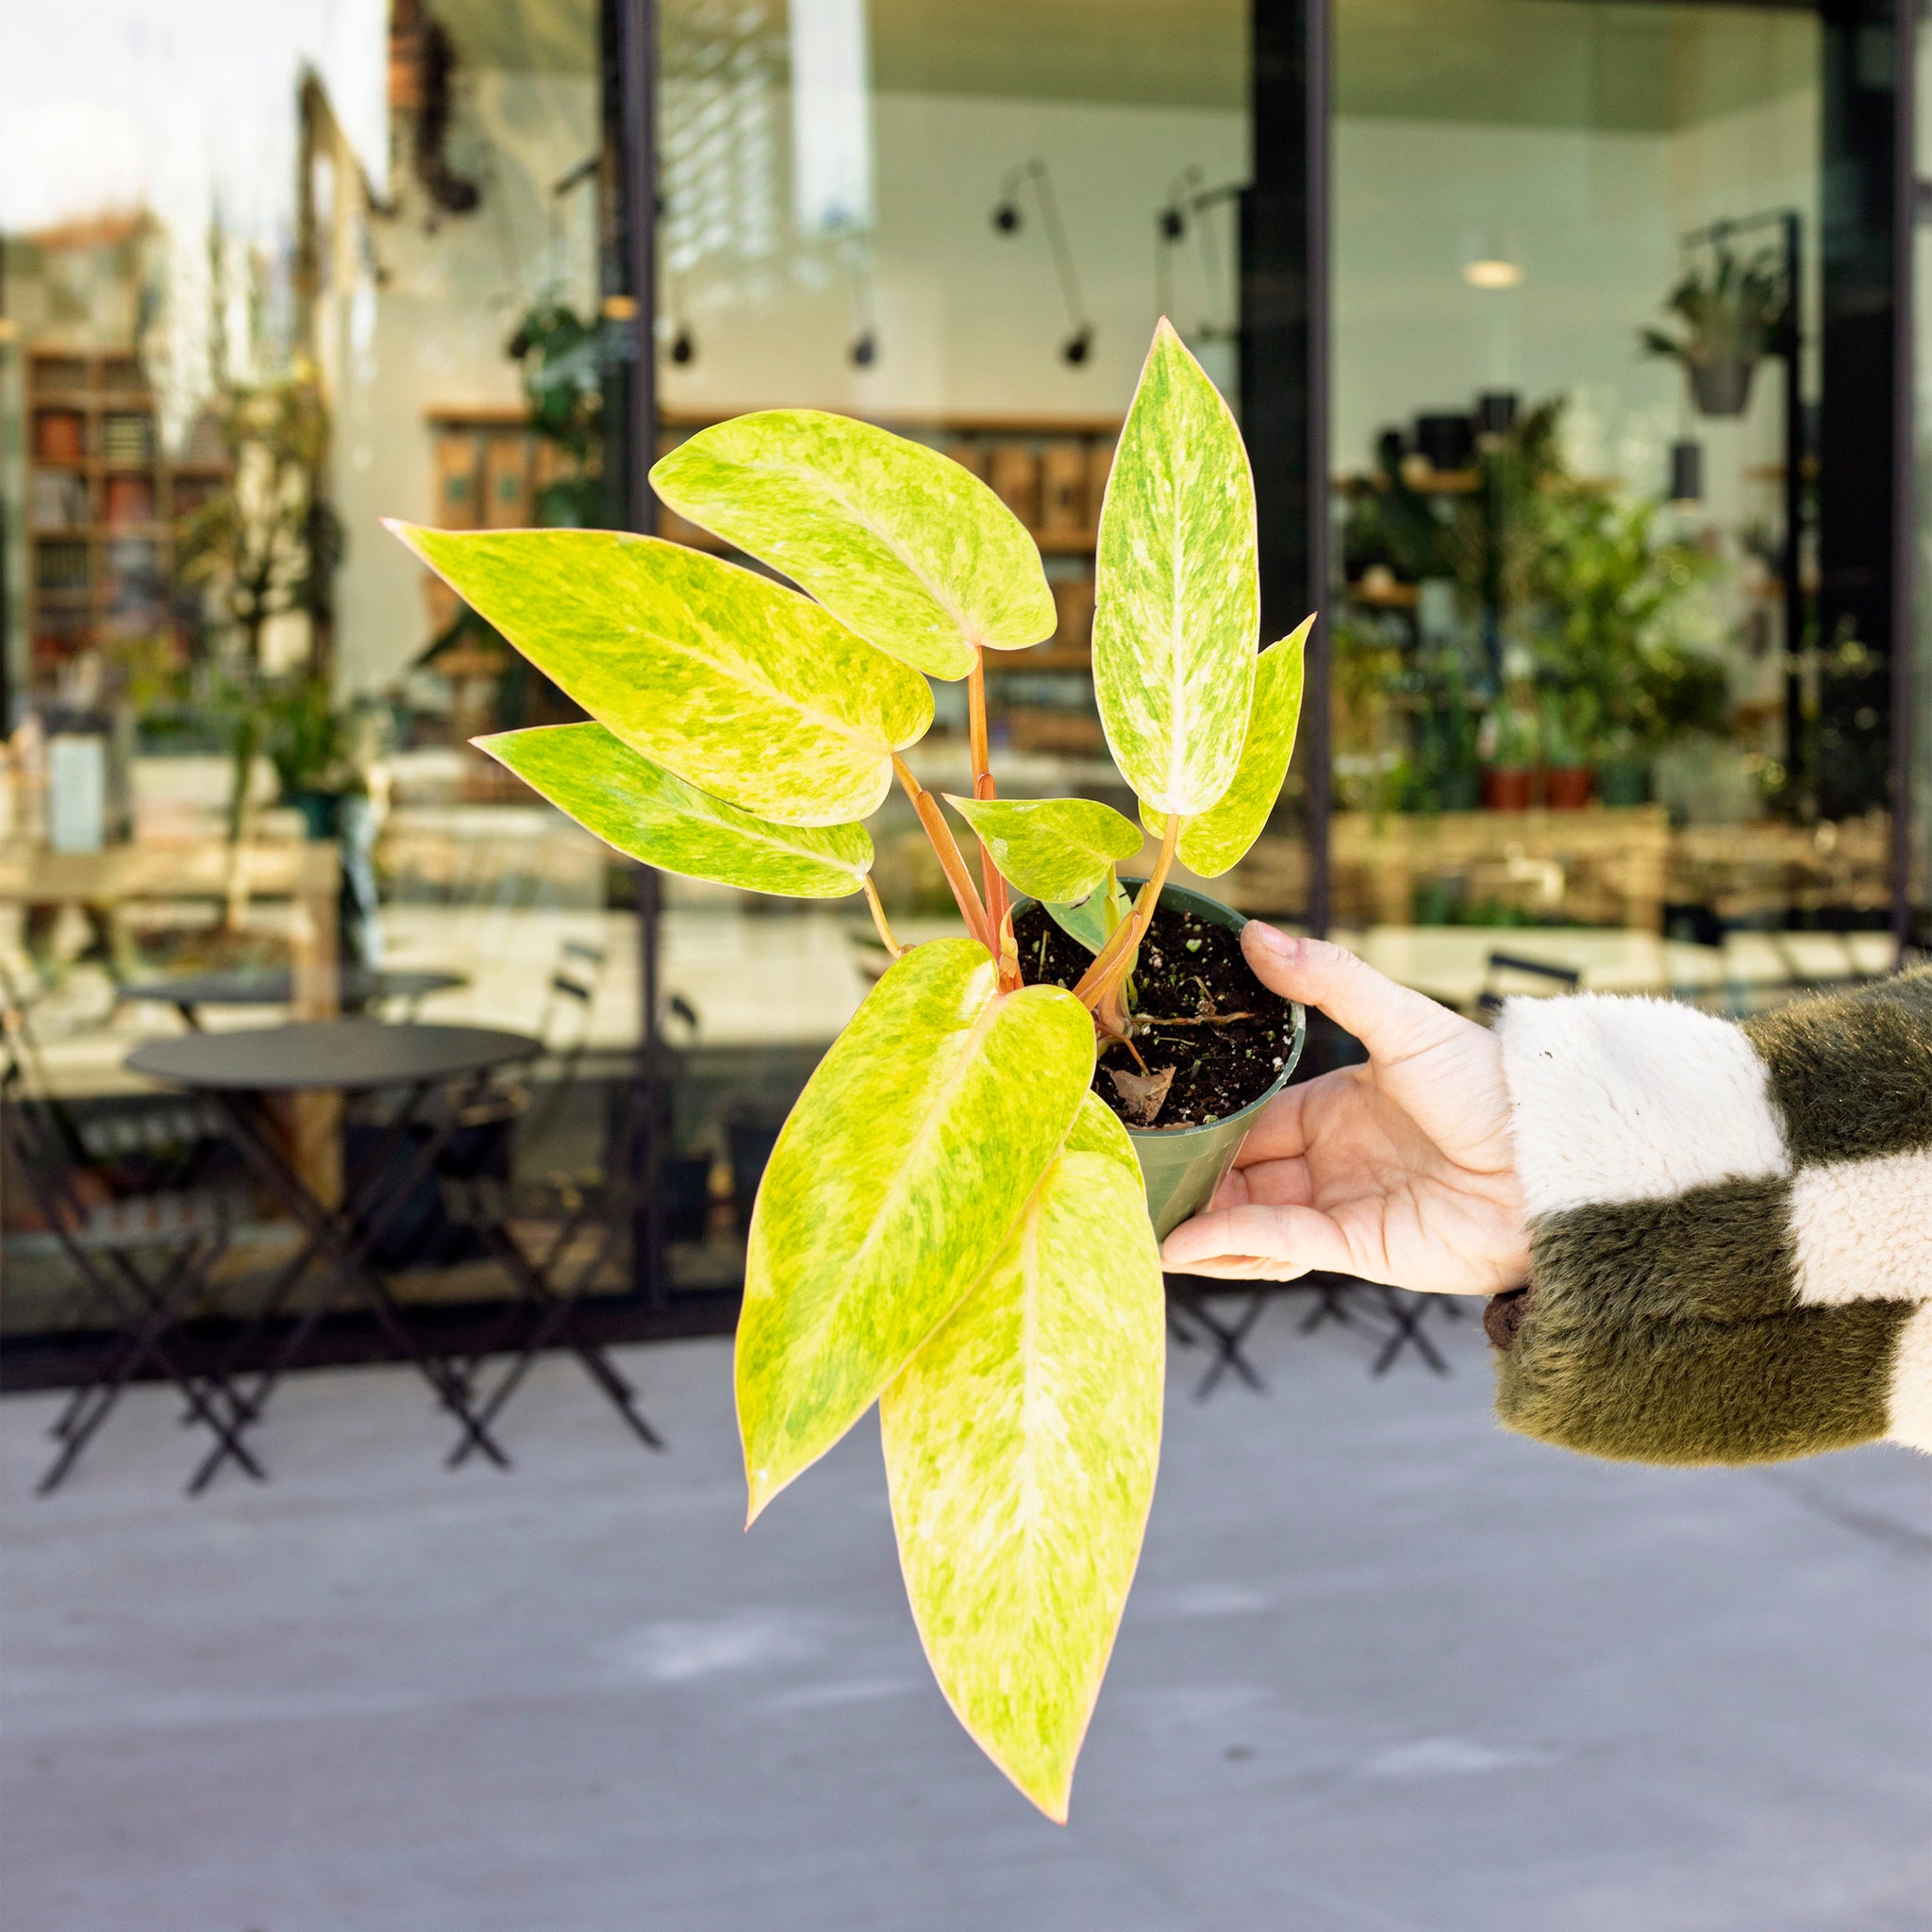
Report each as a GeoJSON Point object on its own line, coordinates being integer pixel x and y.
{"type": "Point", "coordinates": [1489, 1000]}
{"type": "Point", "coordinates": [474, 1178]}
{"type": "Point", "coordinates": [1193, 1322]}
{"type": "Point", "coordinates": [1394, 1314]}
{"type": "Point", "coordinates": [113, 1194]}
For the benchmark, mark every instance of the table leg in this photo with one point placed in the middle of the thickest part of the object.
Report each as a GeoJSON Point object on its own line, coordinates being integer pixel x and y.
{"type": "Point", "coordinates": [282, 1288]}
{"type": "Point", "coordinates": [333, 1233]}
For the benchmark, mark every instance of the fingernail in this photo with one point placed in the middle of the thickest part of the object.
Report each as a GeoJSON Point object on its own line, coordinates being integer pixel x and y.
{"type": "Point", "coordinates": [1272, 940]}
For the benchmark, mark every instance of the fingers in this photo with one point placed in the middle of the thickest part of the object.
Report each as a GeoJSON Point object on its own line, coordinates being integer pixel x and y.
{"type": "Point", "coordinates": [1387, 1018]}
{"type": "Point", "coordinates": [1254, 1242]}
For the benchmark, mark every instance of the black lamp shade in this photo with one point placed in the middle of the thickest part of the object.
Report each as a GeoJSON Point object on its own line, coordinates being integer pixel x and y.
{"type": "Point", "coordinates": [1687, 472]}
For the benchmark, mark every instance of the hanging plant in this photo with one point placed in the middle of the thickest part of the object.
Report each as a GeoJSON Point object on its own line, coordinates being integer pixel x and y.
{"type": "Point", "coordinates": [1730, 318]}
{"type": "Point", "coordinates": [954, 1223]}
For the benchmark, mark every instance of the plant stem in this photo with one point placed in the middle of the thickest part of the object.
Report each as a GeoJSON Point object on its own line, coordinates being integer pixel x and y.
{"type": "Point", "coordinates": [983, 786]}
{"type": "Point", "coordinates": [1111, 964]}
{"type": "Point", "coordinates": [950, 863]}
{"type": "Point", "coordinates": [878, 917]}
{"type": "Point", "coordinates": [1153, 1023]}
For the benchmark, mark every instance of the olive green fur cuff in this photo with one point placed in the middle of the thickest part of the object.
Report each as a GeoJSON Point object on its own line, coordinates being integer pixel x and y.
{"type": "Point", "coordinates": [1731, 1226]}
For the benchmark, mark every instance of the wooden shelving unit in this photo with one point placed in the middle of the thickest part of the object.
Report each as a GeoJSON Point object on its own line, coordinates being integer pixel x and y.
{"type": "Point", "coordinates": [103, 504]}
{"type": "Point", "coordinates": [1050, 471]}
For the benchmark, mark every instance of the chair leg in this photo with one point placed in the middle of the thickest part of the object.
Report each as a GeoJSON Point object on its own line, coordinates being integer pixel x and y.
{"type": "Point", "coordinates": [555, 1315]}
{"type": "Point", "coordinates": [1405, 1320]}
{"type": "Point", "coordinates": [1226, 1339]}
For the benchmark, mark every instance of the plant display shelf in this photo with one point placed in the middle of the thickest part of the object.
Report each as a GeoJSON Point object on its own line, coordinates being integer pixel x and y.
{"type": "Point", "coordinates": [92, 450]}
{"type": "Point", "coordinates": [1616, 856]}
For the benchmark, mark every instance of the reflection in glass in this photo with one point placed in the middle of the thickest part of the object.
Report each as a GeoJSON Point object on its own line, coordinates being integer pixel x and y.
{"type": "Point", "coordinates": [1578, 679]}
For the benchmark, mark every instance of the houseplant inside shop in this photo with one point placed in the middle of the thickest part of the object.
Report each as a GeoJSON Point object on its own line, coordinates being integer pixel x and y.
{"type": "Point", "coordinates": [1729, 319]}
{"type": "Point", "coordinates": [954, 1221]}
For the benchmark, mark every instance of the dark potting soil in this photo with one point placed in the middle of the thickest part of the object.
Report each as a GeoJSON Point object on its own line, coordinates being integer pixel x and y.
{"type": "Point", "coordinates": [1190, 969]}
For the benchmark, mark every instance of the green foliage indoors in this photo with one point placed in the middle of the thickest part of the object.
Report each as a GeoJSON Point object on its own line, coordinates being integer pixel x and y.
{"type": "Point", "coordinates": [1609, 635]}
{"type": "Point", "coordinates": [951, 1226]}
{"type": "Point", "coordinates": [1734, 312]}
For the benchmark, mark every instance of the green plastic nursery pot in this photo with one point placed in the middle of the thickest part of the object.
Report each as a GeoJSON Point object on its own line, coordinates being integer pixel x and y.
{"type": "Point", "coordinates": [1183, 1166]}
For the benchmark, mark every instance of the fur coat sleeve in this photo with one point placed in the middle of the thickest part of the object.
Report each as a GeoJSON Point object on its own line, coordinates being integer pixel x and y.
{"type": "Point", "coordinates": [1730, 1226]}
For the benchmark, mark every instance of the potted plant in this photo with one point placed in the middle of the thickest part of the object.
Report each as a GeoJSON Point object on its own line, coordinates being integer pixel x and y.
{"type": "Point", "coordinates": [263, 550]}
{"type": "Point", "coordinates": [1568, 718]}
{"type": "Point", "coordinates": [562, 356]}
{"type": "Point", "coordinates": [1730, 319]}
{"type": "Point", "coordinates": [1512, 747]}
{"type": "Point", "coordinates": [953, 1220]}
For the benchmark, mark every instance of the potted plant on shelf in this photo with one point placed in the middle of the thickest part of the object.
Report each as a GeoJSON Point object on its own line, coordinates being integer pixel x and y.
{"type": "Point", "coordinates": [1730, 318]}
{"type": "Point", "coordinates": [954, 1222]}
{"type": "Point", "coordinates": [1568, 729]}
{"type": "Point", "coordinates": [1511, 747]}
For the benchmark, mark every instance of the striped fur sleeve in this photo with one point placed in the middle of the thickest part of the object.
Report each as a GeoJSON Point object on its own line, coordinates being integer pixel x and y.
{"type": "Point", "coordinates": [1730, 1226]}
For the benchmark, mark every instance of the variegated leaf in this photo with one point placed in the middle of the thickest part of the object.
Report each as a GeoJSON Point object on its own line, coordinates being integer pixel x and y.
{"type": "Point", "coordinates": [908, 1156]}
{"type": "Point", "coordinates": [1020, 1447]}
{"type": "Point", "coordinates": [1216, 841]}
{"type": "Point", "coordinates": [905, 545]}
{"type": "Point", "coordinates": [739, 686]}
{"type": "Point", "coordinates": [1057, 849]}
{"type": "Point", "coordinates": [1177, 600]}
{"type": "Point", "coordinates": [645, 813]}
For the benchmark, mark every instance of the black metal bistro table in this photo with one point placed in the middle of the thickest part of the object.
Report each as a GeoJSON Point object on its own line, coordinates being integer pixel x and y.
{"type": "Point", "coordinates": [437, 1073]}
{"type": "Point", "coordinates": [187, 992]}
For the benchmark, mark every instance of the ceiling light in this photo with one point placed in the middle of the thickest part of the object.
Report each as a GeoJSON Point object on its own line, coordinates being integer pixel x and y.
{"type": "Point", "coordinates": [1491, 272]}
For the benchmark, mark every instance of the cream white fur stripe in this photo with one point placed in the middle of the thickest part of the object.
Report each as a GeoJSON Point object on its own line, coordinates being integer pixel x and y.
{"type": "Point", "coordinates": [1908, 1411]}
{"type": "Point", "coordinates": [1863, 1229]}
{"type": "Point", "coordinates": [1633, 1100]}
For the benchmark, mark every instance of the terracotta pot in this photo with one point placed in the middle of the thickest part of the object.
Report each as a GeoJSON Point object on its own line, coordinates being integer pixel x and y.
{"type": "Point", "coordinates": [1566, 788]}
{"type": "Point", "coordinates": [1506, 788]}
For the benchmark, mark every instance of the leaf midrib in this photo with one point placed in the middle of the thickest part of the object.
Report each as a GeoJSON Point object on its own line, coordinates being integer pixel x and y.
{"type": "Point", "coordinates": [827, 1307]}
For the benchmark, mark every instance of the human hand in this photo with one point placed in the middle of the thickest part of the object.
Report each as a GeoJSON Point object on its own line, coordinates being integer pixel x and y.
{"type": "Point", "coordinates": [1401, 1171]}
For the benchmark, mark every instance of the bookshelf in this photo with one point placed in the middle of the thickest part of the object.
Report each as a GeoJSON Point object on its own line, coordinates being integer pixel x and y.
{"type": "Point", "coordinates": [1050, 471]}
{"type": "Point", "coordinates": [103, 504]}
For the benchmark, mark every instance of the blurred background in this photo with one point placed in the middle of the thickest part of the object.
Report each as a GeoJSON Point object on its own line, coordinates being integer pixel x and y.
{"type": "Point", "coordinates": [1574, 344]}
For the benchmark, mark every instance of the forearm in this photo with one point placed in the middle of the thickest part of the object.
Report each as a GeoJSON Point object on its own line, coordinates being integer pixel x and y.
{"type": "Point", "coordinates": [1731, 1226]}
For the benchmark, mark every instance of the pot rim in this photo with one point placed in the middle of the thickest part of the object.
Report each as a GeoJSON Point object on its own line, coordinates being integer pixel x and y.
{"type": "Point", "coordinates": [1235, 922]}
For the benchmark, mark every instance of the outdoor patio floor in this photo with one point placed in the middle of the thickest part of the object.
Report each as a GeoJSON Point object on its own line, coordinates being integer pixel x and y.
{"type": "Point", "coordinates": [1385, 1668]}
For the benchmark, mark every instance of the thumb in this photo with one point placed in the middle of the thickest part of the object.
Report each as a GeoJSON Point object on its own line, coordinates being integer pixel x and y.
{"type": "Point", "coordinates": [1387, 1018]}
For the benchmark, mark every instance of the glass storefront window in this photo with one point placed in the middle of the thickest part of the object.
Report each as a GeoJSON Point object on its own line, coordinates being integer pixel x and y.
{"type": "Point", "coordinates": [271, 274]}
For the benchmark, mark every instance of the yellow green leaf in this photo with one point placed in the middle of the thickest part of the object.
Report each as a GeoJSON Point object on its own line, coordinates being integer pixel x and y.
{"type": "Point", "coordinates": [1056, 849]}
{"type": "Point", "coordinates": [902, 545]}
{"type": "Point", "coordinates": [1178, 598]}
{"type": "Point", "coordinates": [647, 813]}
{"type": "Point", "coordinates": [1020, 1447]}
{"type": "Point", "coordinates": [908, 1156]}
{"type": "Point", "coordinates": [739, 686]}
{"type": "Point", "coordinates": [1092, 920]}
{"type": "Point", "coordinates": [1215, 841]}
{"type": "Point", "coordinates": [1097, 1130]}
